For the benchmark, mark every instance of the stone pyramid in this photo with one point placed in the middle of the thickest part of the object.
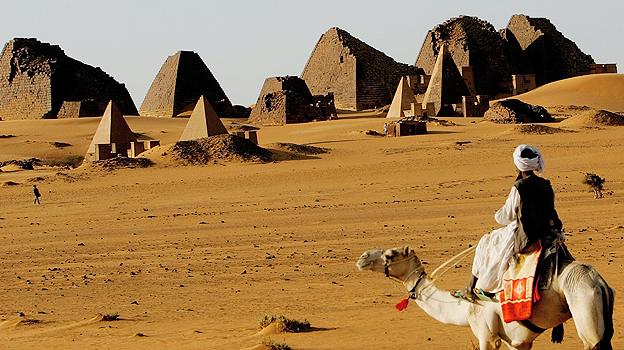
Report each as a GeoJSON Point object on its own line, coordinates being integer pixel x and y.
{"type": "Point", "coordinates": [182, 79]}
{"type": "Point", "coordinates": [284, 100]}
{"type": "Point", "coordinates": [204, 122]}
{"type": "Point", "coordinates": [473, 43]}
{"type": "Point", "coordinates": [446, 86]}
{"type": "Point", "coordinates": [359, 76]}
{"type": "Point", "coordinates": [112, 129]}
{"type": "Point", "coordinates": [403, 99]}
{"type": "Point", "coordinates": [39, 81]}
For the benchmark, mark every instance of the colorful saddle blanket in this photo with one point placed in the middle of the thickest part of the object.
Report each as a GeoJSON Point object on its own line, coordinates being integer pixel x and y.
{"type": "Point", "coordinates": [519, 290]}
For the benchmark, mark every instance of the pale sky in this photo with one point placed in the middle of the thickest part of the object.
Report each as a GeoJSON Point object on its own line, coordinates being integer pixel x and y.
{"type": "Point", "coordinates": [243, 42]}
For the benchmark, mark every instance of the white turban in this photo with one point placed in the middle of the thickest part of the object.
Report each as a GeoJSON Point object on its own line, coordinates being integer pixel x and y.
{"type": "Point", "coordinates": [526, 164]}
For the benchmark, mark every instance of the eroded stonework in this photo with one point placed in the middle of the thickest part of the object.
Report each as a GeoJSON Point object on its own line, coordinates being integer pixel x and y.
{"type": "Point", "coordinates": [285, 100]}
{"type": "Point", "coordinates": [360, 76]}
{"type": "Point", "coordinates": [38, 80]}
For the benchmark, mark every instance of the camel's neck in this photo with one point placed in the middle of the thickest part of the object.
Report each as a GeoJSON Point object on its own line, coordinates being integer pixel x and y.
{"type": "Point", "coordinates": [439, 303]}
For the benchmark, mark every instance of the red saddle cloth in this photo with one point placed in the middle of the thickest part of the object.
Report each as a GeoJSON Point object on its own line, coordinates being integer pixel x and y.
{"type": "Point", "coordinates": [519, 290]}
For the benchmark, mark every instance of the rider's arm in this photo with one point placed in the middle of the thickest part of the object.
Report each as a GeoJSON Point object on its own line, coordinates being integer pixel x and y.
{"type": "Point", "coordinates": [509, 212]}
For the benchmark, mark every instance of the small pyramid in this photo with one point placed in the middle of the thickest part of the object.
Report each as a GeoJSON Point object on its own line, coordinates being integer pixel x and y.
{"type": "Point", "coordinates": [204, 122]}
{"type": "Point", "coordinates": [403, 98]}
{"type": "Point", "coordinates": [112, 129]}
{"type": "Point", "coordinates": [446, 85]}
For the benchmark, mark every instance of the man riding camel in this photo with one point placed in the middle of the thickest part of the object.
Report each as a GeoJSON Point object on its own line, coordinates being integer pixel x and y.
{"type": "Point", "coordinates": [529, 215]}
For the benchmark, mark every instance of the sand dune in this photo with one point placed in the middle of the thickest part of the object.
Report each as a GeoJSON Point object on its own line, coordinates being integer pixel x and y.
{"type": "Point", "coordinates": [194, 256]}
{"type": "Point", "coordinates": [599, 91]}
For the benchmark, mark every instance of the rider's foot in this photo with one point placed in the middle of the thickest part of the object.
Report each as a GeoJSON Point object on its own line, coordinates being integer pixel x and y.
{"type": "Point", "coordinates": [465, 294]}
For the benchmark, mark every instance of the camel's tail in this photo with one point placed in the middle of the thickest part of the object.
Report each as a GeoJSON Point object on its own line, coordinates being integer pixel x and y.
{"type": "Point", "coordinates": [608, 297]}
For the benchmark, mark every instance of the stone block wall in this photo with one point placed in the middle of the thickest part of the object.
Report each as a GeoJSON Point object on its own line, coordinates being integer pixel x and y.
{"type": "Point", "coordinates": [37, 78]}
{"type": "Point", "coordinates": [551, 55]}
{"type": "Point", "coordinates": [522, 83]}
{"type": "Point", "coordinates": [360, 76]}
{"type": "Point", "coordinates": [181, 80]}
{"type": "Point", "coordinates": [284, 100]}
{"type": "Point", "coordinates": [602, 68]}
{"type": "Point", "coordinates": [473, 43]}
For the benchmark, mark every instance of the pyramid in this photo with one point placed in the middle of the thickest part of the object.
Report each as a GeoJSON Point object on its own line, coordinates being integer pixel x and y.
{"type": "Point", "coordinates": [446, 86]}
{"type": "Point", "coordinates": [204, 122]}
{"type": "Point", "coordinates": [473, 43]}
{"type": "Point", "coordinates": [182, 79]}
{"type": "Point", "coordinates": [284, 100]}
{"type": "Point", "coordinates": [551, 55]}
{"type": "Point", "coordinates": [39, 81]}
{"type": "Point", "coordinates": [359, 76]}
{"type": "Point", "coordinates": [403, 99]}
{"type": "Point", "coordinates": [112, 129]}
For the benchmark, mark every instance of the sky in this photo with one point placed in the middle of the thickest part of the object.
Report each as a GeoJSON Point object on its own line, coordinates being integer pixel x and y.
{"type": "Point", "coordinates": [244, 42]}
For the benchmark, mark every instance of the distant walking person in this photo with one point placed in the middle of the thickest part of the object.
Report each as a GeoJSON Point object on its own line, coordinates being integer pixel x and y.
{"type": "Point", "coordinates": [37, 194]}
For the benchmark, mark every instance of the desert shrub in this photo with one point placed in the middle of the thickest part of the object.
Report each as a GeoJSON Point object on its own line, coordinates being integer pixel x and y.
{"type": "Point", "coordinates": [276, 346]}
{"type": "Point", "coordinates": [285, 324]}
{"type": "Point", "coordinates": [70, 161]}
{"type": "Point", "coordinates": [111, 317]}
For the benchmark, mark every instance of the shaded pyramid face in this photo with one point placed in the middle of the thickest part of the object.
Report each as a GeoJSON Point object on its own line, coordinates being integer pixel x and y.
{"type": "Point", "coordinates": [403, 98]}
{"type": "Point", "coordinates": [204, 122]}
{"type": "Point", "coordinates": [112, 129]}
{"type": "Point", "coordinates": [446, 85]}
{"type": "Point", "coordinates": [181, 80]}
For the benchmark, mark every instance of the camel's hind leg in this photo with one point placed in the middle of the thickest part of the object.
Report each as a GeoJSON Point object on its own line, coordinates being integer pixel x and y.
{"type": "Point", "coordinates": [590, 301]}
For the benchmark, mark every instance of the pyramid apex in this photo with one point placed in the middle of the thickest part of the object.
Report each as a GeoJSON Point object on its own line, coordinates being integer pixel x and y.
{"type": "Point", "coordinates": [203, 122]}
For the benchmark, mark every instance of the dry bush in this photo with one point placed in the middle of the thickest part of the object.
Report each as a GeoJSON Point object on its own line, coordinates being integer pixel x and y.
{"type": "Point", "coordinates": [285, 324]}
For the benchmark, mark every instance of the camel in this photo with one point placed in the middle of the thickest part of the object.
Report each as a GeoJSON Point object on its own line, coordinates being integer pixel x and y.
{"type": "Point", "coordinates": [576, 292]}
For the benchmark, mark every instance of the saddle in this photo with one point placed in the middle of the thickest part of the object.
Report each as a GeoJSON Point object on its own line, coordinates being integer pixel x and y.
{"type": "Point", "coordinates": [554, 254]}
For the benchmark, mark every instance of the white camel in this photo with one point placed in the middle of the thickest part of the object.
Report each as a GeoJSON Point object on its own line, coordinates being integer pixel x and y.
{"type": "Point", "coordinates": [577, 292]}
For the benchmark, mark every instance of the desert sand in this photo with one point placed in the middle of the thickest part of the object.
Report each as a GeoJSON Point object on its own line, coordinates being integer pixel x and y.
{"type": "Point", "coordinates": [599, 91]}
{"type": "Point", "coordinates": [191, 257]}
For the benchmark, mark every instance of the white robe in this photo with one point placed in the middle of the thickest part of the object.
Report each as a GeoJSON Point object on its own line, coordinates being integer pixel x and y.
{"type": "Point", "coordinates": [496, 249]}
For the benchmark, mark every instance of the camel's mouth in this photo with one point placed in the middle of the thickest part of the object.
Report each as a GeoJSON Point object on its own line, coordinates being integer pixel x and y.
{"type": "Point", "coordinates": [362, 264]}
{"type": "Point", "coordinates": [368, 259]}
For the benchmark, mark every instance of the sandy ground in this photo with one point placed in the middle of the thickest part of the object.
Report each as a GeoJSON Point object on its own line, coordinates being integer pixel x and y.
{"type": "Point", "coordinates": [600, 91]}
{"type": "Point", "coordinates": [193, 257]}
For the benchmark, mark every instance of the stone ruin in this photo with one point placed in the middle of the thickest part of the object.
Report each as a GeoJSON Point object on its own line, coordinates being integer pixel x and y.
{"type": "Point", "coordinates": [113, 138]}
{"type": "Point", "coordinates": [286, 100]}
{"type": "Point", "coordinates": [39, 81]}
{"type": "Point", "coordinates": [514, 111]}
{"type": "Point", "coordinates": [550, 54]}
{"type": "Point", "coordinates": [203, 122]}
{"type": "Point", "coordinates": [406, 126]}
{"type": "Point", "coordinates": [472, 43]}
{"type": "Point", "coordinates": [180, 82]}
{"type": "Point", "coordinates": [404, 100]}
{"type": "Point", "coordinates": [528, 53]}
{"type": "Point", "coordinates": [360, 76]}
{"type": "Point", "coordinates": [446, 86]}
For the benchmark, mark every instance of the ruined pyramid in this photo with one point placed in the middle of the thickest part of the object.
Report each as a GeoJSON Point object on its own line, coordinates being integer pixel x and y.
{"type": "Point", "coordinates": [182, 79]}
{"type": "Point", "coordinates": [112, 129]}
{"type": "Point", "coordinates": [204, 122]}
{"type": "Point", "coordinates": [403, 99]}
{"type": "Point", "coordinates": [551, 55]}
{"type": "Point", "coordinates": [39, 81]}
{"type": "Point", "coordinates": [446, 86]}
{"type": "Point", "coordinates": [360, 76]}
{"type": "Point", "coordinates": [284, 100]}
{"type": "Point", "coordinates": [474, 43]}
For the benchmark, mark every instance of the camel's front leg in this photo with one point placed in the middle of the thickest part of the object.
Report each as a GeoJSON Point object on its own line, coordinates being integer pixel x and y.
{"type": "Point", "coordinates": [480, 323]}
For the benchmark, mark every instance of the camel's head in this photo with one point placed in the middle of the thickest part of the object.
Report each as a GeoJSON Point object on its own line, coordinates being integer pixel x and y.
{"type": "Point", "coordinates": [394, 262]}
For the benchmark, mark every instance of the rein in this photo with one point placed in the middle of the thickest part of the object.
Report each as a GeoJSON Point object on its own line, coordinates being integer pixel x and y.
{"type": "Point", "coordinates": [421, 277]}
